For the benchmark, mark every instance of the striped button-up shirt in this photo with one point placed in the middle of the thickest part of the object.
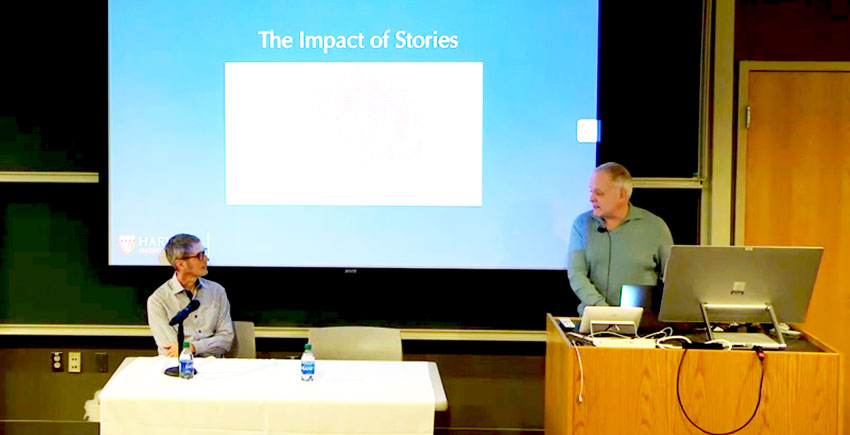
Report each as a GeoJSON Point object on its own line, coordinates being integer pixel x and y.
{"type": "Point", "coordinates": [209, 328]}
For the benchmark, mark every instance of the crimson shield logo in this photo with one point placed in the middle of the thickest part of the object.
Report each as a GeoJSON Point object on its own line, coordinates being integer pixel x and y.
{"type": "Point", "coordinates": [127, 243]}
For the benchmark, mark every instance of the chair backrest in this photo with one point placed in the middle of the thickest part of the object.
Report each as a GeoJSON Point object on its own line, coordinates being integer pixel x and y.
{"type": "Point", "coordinates": [243, 341]}
{"type": "Point", "coordinates": [356, 343]}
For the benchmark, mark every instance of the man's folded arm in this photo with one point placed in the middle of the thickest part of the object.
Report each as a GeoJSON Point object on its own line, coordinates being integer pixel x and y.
{"type": "Point", "coordinates": [158, 322]}
{"type": "Point", "coordinates": [220, 343]}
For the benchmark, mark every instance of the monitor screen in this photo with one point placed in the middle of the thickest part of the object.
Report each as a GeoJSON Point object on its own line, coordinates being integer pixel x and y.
{"type": "Point", "coordinates": [739, 276]}
{"type": "Point", "coordinates": [379, 133]}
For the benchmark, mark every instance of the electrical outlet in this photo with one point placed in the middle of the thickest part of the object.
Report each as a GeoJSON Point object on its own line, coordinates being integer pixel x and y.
{"type": "Point", "coordinates": [75, 360]}
{"type": "Point", "coordinates": [56, 362]}
{"type": "Point", "coordinates": [101, 361]}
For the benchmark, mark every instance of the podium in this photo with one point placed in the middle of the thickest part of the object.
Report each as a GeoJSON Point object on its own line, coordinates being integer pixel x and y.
{"type": "Point", "coordinates": [634, 390]}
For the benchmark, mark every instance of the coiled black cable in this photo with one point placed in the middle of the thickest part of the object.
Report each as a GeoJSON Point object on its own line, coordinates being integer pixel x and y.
{"type": "Point", "coordinates": [760, 354]}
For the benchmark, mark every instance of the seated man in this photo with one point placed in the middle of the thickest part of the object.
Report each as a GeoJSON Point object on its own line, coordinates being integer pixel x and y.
{"type": "Point", "coordinates": [208, 330]}
{"type": "Point", "coordinates": [615, 243]}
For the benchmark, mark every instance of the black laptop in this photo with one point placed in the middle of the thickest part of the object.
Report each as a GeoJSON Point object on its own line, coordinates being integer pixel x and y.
{"type": "Point", "coordinates": [646, 296]}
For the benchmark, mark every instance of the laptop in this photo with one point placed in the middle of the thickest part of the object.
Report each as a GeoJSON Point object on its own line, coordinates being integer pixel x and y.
{"type": "Point", "coordinates": [642, 296]}
{"type": "Point", "coordinates": [647, 297]}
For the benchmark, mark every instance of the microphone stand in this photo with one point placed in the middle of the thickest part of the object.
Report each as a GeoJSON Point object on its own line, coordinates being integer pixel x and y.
{"type": "Point", "coordinates": [175, 371]}
{"type": "Point", "coordinates": [180, 338]}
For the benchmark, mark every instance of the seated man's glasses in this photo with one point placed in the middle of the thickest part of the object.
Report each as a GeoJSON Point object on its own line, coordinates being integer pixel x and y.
{"type": "Point", "coordinates": [200, 255]}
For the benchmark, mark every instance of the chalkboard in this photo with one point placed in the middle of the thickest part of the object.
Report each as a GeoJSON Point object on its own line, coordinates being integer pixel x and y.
{"type": "Point", "coordinates": [53, 242]}
{"type": "Point", "coordinates": [53, 113]}
{"type": "Point", "coordinates": [649, 86]}
{"type": "Point", "coordinates": [53, 270]}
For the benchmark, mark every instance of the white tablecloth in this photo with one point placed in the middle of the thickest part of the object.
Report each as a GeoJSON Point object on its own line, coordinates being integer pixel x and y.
{"type": "Point", "coordinates": [260, 396]}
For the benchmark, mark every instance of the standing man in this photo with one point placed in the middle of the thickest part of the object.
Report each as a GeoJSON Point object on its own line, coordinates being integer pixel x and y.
{"type": "Point", "coordinates": [209, 329]}
{"type": "Point", "coordinates": [615, 243]}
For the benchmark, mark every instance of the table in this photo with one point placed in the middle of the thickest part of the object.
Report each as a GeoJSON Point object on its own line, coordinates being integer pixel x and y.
{"type": "Point", "coordinates": [266, 396]}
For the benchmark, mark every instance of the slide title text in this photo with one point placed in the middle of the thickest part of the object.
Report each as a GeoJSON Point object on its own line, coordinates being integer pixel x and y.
{"type": "Point", "coordinates": [401, 39]}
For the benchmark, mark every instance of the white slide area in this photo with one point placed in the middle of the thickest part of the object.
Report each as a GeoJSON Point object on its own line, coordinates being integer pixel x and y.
{"type": "Point", "coordinates": [353, 133]}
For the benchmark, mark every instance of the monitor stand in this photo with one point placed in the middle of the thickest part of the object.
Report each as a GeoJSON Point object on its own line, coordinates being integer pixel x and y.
{"type": "Point", "coordinates": [619, 327]}
{"type": "Point", "coordinates": [747, 340]}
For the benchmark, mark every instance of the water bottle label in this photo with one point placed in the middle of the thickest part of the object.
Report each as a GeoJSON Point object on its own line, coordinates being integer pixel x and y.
{"type": "Point", "coordinates": [308, 368]}
{"type": "Point", "coordinates": [186, 366]}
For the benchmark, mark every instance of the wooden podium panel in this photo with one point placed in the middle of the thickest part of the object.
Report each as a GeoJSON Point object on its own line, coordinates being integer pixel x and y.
{"type": "Point", "coordinates": [634, 390]}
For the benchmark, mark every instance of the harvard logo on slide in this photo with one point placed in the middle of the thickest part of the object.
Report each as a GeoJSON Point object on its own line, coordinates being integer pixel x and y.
{"type": "Point", "coordinates": [127, 243]}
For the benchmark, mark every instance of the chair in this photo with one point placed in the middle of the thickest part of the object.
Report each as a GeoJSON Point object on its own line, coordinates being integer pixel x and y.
{"type": "Point", "coordinates": [356, 343]}
{"type": "Point", "coordinates": [243, 341]}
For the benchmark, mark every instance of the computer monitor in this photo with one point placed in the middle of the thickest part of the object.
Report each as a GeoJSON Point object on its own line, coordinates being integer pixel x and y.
{"type": "Point", "coordinates": [743, 284]}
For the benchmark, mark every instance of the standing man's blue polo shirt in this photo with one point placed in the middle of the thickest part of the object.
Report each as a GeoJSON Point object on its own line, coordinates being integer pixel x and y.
{"type": "Point", "coordinates": [601, 262]}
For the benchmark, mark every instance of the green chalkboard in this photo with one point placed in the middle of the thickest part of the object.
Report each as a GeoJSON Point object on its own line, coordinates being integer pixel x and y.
{"type": "Point", "coordinates": [50, 262]}
{"type": "Point", "coordinates": [53, 271]}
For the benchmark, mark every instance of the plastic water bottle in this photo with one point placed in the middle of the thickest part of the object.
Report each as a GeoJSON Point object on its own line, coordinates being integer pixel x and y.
{"type": "Point", "coordinates": [187, 362]}
{"type": "Point", "coordinates": [308, 363]}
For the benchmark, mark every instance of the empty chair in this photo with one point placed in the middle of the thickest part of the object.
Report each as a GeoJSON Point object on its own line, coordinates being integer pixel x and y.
{"type": "Point", "coordinates": [356, 343]}
{"type": "Point", "coordinates": [243, 341]}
